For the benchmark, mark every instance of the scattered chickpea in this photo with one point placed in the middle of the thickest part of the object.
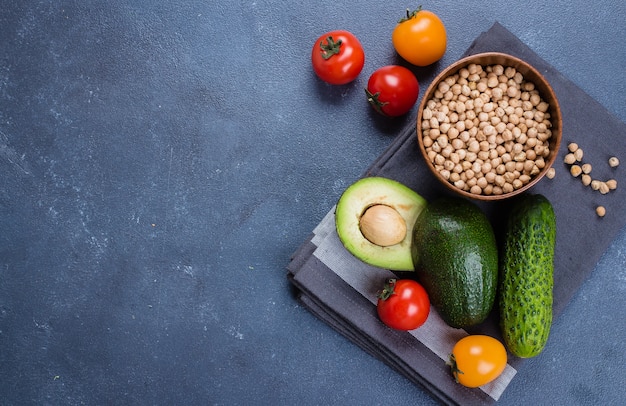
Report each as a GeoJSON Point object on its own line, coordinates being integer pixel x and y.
{"type": "Point", "coordinates": [551, 173]}
{"type": "Point", "coordinates": [604, 188]}
{"type": "Point", "coordinates": [569, 159]}
{"type": "Point", "coordinates": [575, 155]}
{"type": "Point", "coordinates": [595, 184]}
{"type": "Point", "coordinates": [575, 170]}
{"type": "Point", "coordinates": [612, 184]}
{"type": "Point", "coordinates": [578, 154]}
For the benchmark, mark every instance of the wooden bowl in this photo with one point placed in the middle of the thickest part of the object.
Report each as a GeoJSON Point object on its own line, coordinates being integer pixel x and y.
{"type": "Point", "coordinates": [530, 74]}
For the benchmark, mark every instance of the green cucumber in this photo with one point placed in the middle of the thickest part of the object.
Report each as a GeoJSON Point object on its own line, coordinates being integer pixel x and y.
{"type": "Point", "coordinates": [526, 275]}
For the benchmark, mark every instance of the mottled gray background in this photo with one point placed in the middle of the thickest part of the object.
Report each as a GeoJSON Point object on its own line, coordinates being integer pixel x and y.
{"type": "Point", "coordinates": [160, 162]}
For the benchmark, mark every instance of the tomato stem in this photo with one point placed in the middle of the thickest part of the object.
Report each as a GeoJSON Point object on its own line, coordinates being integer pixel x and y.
{"type": "Point", "coordinates": [410, 14]}
{"type": "Point", "coordinates": [387, 291]}
{"type": "Point", "coordinates": [330, 48]}
{"type": "Point", "coordinates": [455, 368]}
{"type": "Point", "coordinates": [373, 99]}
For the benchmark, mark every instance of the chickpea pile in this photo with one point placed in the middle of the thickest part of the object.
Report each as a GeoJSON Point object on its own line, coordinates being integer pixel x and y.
{"type": "Point", "coordinates": [486, 129]}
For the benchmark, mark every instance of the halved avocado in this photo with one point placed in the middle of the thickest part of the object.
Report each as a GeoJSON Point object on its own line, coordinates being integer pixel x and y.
{"type": "Point", "coordinates": [374, 219]}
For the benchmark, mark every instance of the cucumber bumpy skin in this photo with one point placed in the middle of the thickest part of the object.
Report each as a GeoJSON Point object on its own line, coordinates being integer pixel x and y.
{"type": "Point", "coordinates": [526, 276]}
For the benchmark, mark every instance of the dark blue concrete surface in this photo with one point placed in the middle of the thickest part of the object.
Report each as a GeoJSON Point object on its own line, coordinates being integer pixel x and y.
{"type": "Point", "coordinates": [160, 161]}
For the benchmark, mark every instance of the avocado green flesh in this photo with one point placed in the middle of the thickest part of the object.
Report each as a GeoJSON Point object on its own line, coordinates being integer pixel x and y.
{"type": "Point", "coordinates": [456, 259]}
{"type": "Point", "coordinates": [526, 276]}
{"type": "Point", "coordinates": [365, 193]}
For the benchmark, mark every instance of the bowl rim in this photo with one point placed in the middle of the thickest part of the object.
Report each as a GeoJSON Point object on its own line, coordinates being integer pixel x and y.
{"type": "Point", "coordinates": [546, 91]}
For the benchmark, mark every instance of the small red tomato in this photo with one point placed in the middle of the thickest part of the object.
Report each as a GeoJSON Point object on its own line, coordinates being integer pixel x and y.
{"type": "Point", "coordinates": [477, 360]}
{"type": "Point", "coordinates": [403, 304]}
{"type": "Point", "coordinates": [392, 90]}
{"type": "Point", "coordinates": [337, 57]}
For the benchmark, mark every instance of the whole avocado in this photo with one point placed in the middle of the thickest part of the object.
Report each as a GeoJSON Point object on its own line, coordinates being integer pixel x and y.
{"type": "Point", "coordinates": [455, 254]}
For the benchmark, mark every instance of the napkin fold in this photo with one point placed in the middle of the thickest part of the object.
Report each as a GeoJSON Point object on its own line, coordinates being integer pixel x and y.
{"type": "Point", "coordinates": [341, 290]}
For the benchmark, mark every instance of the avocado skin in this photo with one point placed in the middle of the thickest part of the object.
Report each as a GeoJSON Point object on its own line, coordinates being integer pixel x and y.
{"type": "Point", "coordinates": [456, 259]}
{"type": "Point", "coordinates": [526, 275]}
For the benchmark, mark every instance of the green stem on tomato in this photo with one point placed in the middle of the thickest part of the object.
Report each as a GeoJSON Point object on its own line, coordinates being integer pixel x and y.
{"type": "Point", "coordinates": [455, 369]}
{"type": "Point", "coordinates": [372, 99]}
{"type": "Point", "coordinates": [410, 14]}
{"type": "Point", "coordinates": [330, 48]}
{"type": "Point", "coordinates": [390, 284]}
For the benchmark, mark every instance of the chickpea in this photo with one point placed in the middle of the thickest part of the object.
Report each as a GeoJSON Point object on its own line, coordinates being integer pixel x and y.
{"type": "Point", "coordinates": [511, 91]}
{"type": "Point", "coordinates": [543, 106]}
{"type": "Point", "coordinates": [612, 184]}
{"type": "Point", "coordinates": [535, 99]}
{"type": "Point", "coordinates": [453, 133]}
{"type": "Point", "coordinates": [497, 94]}
{"type": "Point", "coordinates": [485, 168]}
{"type": "Point", "coordinates": [483, 155]}
{"type": "Point", "coordinates": [595, 184]}
{"type": "Point", "coordinates": [439, 159]}
{"type": "Point", "coordinates": [457, 143]}
{"type": "Point", "coordinates": [474, 146]}
{"type": "Point", "coordinates": [569, 159]}
{"type": "Point", "coordinates": [578, 154]}
{"type": "Point", "coordinates": [604, 188]}
{"type": "Point", "coordinates": [540, 163]}
{"type": "Point", "coordinates": [529, 165]}
{"type": "Point", "coordinates": [509, 167]}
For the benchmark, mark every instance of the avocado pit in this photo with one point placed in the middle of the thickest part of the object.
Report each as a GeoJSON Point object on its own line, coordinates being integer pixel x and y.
{"type": "Point", "coordinates": [382, 225]}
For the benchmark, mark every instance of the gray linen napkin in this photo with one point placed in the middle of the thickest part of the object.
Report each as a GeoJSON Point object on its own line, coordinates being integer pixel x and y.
{"type": "Point", "coordinates": [340, 289]}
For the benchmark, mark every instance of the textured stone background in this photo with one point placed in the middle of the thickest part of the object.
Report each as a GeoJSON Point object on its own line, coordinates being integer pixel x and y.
{"type": "Point", "coordinates": [160, 163]}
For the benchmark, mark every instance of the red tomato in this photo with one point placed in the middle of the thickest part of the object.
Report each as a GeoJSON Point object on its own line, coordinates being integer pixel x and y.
{"type": "Point", "coordinates": [477, 360]}
{"type": "Point", "coordinates": [392, 90]}
{"type": "Point", "coordinates": [337, 57]}
{"type": "Point", "coordinates": [403, 304]}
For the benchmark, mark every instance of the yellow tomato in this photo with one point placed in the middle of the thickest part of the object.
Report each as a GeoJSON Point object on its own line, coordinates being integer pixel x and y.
{"type": "Point", "coordinates": [477, 360]}
{"type": "Point", "coordinates": [420, 38]}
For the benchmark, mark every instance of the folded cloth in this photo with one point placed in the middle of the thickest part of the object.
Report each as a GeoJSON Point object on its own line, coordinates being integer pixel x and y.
{"type": "Point", "coordinates": [341, 290]}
